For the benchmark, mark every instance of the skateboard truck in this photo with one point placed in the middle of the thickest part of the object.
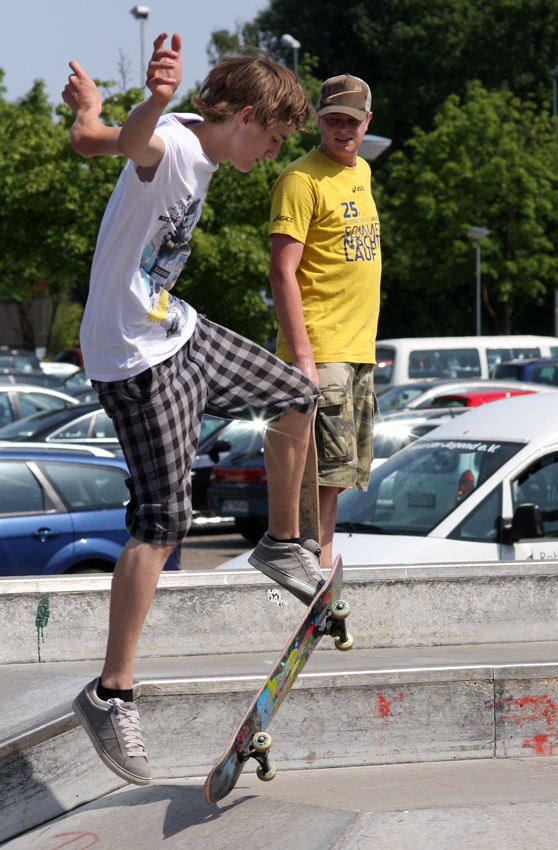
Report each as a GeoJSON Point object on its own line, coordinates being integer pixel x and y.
{"type": "Point", "coordinates": [336, 627]}
{"type": "Point", "coordinates": [258, 750]}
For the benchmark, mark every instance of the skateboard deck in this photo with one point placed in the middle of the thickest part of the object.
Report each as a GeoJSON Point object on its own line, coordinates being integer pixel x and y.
{"type": "Point", "coordinates": [309, 506]}
{"type": "Point", "coordinates": [325, 615]}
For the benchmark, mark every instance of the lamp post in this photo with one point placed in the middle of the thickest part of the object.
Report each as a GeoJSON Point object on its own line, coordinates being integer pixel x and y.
{"type": "Point", "coordinates": [478, 234]}
{"type": "Point", "coordinates": [554, 75]}
{"type": "Point", "coordinates": [288, 41]}
{"type": "Point", "coordinates": [141, 13]}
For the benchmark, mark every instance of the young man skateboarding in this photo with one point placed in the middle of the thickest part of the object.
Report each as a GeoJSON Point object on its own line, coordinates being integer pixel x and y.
{"type": "Point", "coordinates": [157, 366]}
{"type": "Point", "coordinates": [325, 277]}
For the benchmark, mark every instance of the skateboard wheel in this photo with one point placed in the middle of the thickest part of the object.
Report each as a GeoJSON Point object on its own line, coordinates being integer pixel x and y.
{"type": "Point", "coordinates": [267, 777]}
{"type": "Point", "coordinates": [261, 743]}
{"type": "Point", "coordinates": [344, 645]}
{"type": "Point", "coordinates": [340, 610]}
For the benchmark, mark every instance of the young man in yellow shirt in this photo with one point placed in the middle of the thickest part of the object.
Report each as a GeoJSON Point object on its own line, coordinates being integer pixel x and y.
{"type": "Point", "coordinates": [325, 277]}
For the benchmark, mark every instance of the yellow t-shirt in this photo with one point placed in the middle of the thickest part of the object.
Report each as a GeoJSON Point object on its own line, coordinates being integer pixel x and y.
{"type": "Point", "coordinates": [329, 208]}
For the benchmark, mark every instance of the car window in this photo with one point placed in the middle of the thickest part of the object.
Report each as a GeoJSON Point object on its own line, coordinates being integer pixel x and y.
{"type": "Point", "coordinates": [385, 358]}
{"type": "Point", "coordinates": [445, 363]}
{"type": "Point", "coordinates": [483, 523]}
{"type": "Point", "coordinates": [398, 397]}
{"type": "Point", "coordinates": [20, 492]}
{"type": "Point", "coordinates": [209, 425]}
{"type": "Point", "coordinates": [545, 375]}
{"type": "Point", "coordinates": [413, 491]}
{"type": "Point", "coordinates": [538, 485]}
{"type": "Point", "coordinates": [95, 426]}
{"type": "Point", "coordinates": [508, 372]}
{"type": "Point", "coordinates": [6, 415]}
{"type": "Point", "coordinates": [37, 402]}
{"type": "Point", "coordinates": [28, 427]}
{"type": "Point", "coordinates": [88, 486]}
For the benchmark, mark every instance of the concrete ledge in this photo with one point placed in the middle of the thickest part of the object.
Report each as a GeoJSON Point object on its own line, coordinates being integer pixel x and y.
{"type": "Point", "coordinates": [394, 715]}
{"type": "Point", "coordinates": [65, 619]}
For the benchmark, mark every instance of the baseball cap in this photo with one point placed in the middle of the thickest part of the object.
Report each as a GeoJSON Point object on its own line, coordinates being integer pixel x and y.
{"type": "Point", "coordinates": [347, 94]}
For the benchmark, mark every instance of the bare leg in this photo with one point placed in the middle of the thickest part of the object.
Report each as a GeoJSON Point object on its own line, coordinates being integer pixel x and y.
{"type": "Point", "coordinates": [133, 586]}
{"type": "Point", "coordinates": [328, 516]}
{"type": "Point", "coordinates": [285, 445]}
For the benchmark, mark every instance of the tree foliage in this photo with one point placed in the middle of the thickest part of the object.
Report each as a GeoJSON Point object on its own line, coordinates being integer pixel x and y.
{"type": "Point", "coordinates": [490, 161]}
{"type": "Point", "coordinates": [51, 205]}
{"type": "Point", "coordinates": [415, 53]}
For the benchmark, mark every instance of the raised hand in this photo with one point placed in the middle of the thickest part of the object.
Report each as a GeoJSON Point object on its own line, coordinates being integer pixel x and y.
{"type": "Point", "coordinates": [80, 93]}
{"type": "Point", "coordinates": [164, 72]}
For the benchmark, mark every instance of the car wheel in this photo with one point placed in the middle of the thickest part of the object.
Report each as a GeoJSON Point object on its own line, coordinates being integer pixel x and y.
{"type": "Point", "coordinates": [251, 529]}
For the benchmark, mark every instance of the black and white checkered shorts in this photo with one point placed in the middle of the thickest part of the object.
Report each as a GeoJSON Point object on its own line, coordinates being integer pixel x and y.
{"type": "Point", "coordinates": [157, 417]}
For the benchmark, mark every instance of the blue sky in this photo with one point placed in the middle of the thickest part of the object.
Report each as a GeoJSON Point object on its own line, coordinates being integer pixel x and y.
{"type": "Point", "coordinates": [38, 38]}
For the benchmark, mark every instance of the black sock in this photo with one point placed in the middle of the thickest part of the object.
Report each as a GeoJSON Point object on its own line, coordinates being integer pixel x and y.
{"type": "Point", "coordinates": [109, 693]}
{"type": "Point", "coordinates": [288, 540]}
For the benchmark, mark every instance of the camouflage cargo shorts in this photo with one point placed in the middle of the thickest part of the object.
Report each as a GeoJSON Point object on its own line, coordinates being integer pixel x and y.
{"type": "Point", "coordinates": [345, 424]}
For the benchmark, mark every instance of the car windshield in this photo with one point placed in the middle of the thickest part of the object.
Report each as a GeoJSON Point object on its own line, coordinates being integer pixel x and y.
{"type": "Point", "coordinates": [413, 491]}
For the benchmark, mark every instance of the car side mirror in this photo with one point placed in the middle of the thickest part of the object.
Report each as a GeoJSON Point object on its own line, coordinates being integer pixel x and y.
{"type": "Point", "coordinates": [217, 448]}
{"type": "Point", "coordinates": [527, 524]}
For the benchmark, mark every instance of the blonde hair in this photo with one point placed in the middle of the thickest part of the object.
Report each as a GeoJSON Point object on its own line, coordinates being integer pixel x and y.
{"type": "Point", "coordinates": [274, 91]}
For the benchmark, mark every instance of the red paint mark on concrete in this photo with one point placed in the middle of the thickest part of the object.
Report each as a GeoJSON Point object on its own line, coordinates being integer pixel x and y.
{"type": "Point", "coordinates": [384, 706]}
{"type": "Point", "coordinates": [543, 745]}
{"type": "Point", "coordinates": [534, 710]}
{"type": "Point", "coordinates": [91, 837]}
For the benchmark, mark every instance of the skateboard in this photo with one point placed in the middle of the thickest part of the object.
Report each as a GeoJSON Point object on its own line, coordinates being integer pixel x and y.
{"type": "Point", "coordinates": [325, 615]}
{"type": "Point", "coordinates": [309, 505]}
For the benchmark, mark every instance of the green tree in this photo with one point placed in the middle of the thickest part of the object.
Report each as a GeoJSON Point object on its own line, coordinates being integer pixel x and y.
{"type": "Point", "coordinates": [489, 161]}
{"type": "Point", "coordinates": [415, 53]}
{"type": "Point", "coordinates": [51, 205]}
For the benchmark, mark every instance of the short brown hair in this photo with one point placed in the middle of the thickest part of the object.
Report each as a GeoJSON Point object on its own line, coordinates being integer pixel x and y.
{"type": "Point", "coordinates": [274, 91]}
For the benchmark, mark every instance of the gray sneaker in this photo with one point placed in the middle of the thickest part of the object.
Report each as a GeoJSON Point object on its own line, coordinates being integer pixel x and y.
{"type": "Point", "coordinates": [114, 730]}
{"type": "Point", "coordinates": [294, 567]}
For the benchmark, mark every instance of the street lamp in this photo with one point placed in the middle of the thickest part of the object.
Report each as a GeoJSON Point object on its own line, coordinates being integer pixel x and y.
{"type": "Point", "coordinates": [554, 75]}
{"type": "Point", "coordinates": [478, 234]}
{"type": "Point", "coordinates": [141, 14]}
{"type": "Point", "coordinates": [288, 41]}
{"type": "Point", "coordinates": [373, 146]}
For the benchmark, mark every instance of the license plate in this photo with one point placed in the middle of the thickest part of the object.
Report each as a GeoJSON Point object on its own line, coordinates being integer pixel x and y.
{"type": "Point", "coordinates": [418, 499]}
{"type": "Point", "coordinates": [235, 507]}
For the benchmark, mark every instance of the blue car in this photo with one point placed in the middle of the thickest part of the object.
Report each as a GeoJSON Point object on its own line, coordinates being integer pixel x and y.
{"type": "Point", "coordinates": [62, 511]}
{"type": "Point", "coordinates": [536, 370]}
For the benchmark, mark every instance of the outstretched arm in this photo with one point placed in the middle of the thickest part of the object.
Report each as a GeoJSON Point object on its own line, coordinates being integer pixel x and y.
{"type": "Point", "coordinates": [90, 137]}
{"type": "Point", "coordinates": [137, 139]}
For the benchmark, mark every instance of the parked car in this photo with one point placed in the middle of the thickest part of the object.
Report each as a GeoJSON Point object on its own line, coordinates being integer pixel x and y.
{"type": "Point", "coordinates": [36, 378]}
{"type": "Point", "coordinates": [467, 357]}
{"type": "Point", "coordinates": [12, 357]}
{"type": "Point", "coordinates": [79, 387]}
{"type": "Point", "coordinates": [539, 370]}
{"type": "Point", "coordinates": [84, 424]}
{"type": "Point", "coordinates": [18, 401]}
{"type": "Point", "coordinates": [483, 487]}
{"type": "Point", "coordinates": [69, 355]}
{"type": "Point", "coordinates": [62, 511]}
{"type": "Point", "coordinates": [422, 395]}
{"type": "Point", "coordinates": [218, 438]}
{"type": "Point", "coordinates": [238, 485]}
{"type": "Point", "coordinates": [475, 399]}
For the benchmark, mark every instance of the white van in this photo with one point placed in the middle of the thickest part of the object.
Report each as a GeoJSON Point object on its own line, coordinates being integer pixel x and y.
{"type": "Point", "coordinates": [402, 360]}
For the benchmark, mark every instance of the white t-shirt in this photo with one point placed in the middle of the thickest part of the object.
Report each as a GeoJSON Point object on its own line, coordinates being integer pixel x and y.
{"type": "Point", "coordinates": [131, 320]}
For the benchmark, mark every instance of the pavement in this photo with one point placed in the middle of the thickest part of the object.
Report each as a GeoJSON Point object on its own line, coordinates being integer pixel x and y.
{"type": "Point", "coordinates": [484, 804]}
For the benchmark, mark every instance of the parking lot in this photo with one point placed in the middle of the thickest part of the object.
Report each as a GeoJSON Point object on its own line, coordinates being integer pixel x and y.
{"type": "Point", "coordinates": [207, 548]}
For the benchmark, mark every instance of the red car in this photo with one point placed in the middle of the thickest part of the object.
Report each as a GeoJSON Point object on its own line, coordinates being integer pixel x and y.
{"type": "Point", "coordinates": [475, 399]}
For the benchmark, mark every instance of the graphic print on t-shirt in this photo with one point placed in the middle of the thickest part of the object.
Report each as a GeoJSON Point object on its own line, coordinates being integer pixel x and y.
{"type": "Point", "coordinates": [162, 261]}
{"type": "Point", "coordinates": [361, 237]}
